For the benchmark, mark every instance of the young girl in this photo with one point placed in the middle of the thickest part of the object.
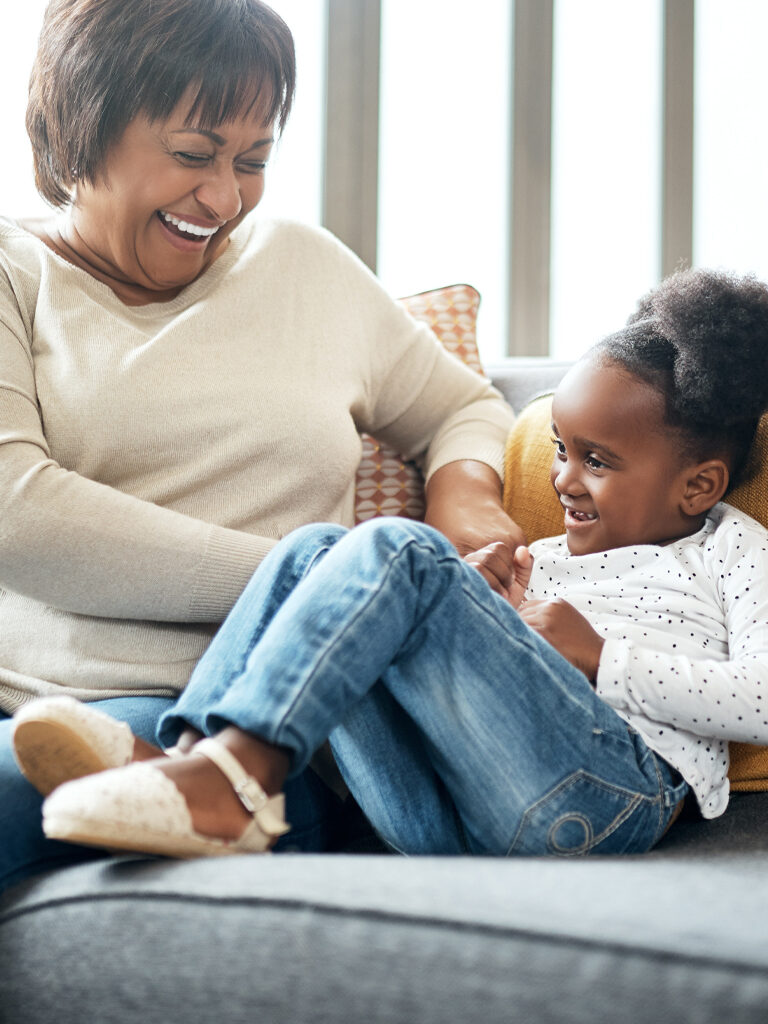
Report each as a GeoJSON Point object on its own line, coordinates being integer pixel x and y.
{"type": "Point", "coordinates": [566, 709]}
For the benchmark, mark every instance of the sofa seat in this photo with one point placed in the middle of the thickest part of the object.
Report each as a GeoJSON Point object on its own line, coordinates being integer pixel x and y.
{"type": "Point", "coordinates": [676, 935]}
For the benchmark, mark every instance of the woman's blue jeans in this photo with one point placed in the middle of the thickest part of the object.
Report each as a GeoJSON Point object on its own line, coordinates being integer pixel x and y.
{"type": "Point", "coordinates": [321, 821]}
{"type": "Point", "coordinates": [456, 727]}
{"type": "Point", "coordinates": [24, 850]}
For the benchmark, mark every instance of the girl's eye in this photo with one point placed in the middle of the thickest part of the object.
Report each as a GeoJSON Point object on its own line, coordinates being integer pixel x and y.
{"type": "Point", "coordinates": [559, 447]}
{"type": "Point", "coordinates": [594, 463]}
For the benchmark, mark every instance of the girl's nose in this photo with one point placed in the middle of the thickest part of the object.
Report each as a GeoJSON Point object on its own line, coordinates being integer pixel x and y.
{"type": "Point", "coordinates": [566, 477]}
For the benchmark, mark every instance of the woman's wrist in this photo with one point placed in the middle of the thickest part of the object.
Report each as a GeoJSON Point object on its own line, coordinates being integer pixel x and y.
{"type": "Point", "coordinates": [464, 502]}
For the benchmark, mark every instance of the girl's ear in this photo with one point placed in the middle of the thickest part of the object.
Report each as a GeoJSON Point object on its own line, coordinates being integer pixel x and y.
{"type": "Point", "coordinates": [705, 485]}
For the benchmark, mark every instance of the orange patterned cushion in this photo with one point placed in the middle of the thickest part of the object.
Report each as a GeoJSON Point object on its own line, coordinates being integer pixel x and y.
{"type": "Point", "coordinates": [386, 484]}
{"type": "Point", "coordinates": [530, 501]}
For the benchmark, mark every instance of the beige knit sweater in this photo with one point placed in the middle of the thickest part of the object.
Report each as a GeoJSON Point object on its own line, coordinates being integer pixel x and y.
{"type": "Point", "coordinates": [151, 456]}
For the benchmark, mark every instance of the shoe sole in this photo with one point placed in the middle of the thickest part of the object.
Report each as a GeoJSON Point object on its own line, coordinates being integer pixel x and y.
{"type": "Point", "coordinates": [112, 836]}
{"type": "Point", "coordinates": [49, 753]}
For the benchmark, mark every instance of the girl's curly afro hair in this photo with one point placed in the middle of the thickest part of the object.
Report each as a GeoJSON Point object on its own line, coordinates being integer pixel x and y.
{"type": "Point", "coordinates": [701, 339]}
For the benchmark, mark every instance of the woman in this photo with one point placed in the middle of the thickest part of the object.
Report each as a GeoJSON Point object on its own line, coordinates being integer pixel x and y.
{"type": "Point", "coordinates": [179, 386]}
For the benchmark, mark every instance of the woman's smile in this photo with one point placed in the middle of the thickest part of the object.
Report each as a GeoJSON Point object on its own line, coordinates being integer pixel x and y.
{"type": "Point", "coordinates": [170, 195]}
{"type": "Point", "coordinates": [183, 234]}
{"type": "Point", "coordinates": [186, 227]}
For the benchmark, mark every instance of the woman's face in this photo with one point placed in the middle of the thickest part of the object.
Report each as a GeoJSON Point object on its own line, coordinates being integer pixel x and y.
{"type": "Point", "coordinates": [170, 195]}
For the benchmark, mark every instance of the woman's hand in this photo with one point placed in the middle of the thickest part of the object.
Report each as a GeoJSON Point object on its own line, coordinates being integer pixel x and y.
{"type": "Point", "coordinates": [568, 632]}
{"type": "Point", "coordinates": [507, 576]}
{"type": "Point", "coordinates": [464, 504]}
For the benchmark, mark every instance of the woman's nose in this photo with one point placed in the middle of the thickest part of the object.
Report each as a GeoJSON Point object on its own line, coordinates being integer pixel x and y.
{"type": "Point", "coordinates": [220, 193]}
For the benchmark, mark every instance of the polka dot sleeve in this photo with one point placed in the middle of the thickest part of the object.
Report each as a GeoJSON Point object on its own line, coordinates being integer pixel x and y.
{"type": "Point", "coordinates": [725, 698]}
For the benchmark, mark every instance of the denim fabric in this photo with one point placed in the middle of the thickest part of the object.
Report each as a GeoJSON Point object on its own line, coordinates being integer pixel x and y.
{"type": "Point", "coordinates": [456, 727]}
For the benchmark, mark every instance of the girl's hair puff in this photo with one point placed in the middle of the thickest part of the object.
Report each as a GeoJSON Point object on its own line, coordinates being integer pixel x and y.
{"type": "Point", "coordinates": [701, 339]}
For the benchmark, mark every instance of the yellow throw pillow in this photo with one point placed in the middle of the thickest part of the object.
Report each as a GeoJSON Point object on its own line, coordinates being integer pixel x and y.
{"type": "Point", "coordinates": [530, 500]}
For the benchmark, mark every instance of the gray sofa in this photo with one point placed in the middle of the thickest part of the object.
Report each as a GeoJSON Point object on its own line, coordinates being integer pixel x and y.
{"type": "Point", "coordinates": [679, 935]}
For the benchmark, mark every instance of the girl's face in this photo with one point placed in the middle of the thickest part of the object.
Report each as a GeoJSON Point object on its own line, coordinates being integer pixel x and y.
{"type": "Point", "coordinates": [170, 195]}
{"type": "Point", "coordinates": [616, 470]}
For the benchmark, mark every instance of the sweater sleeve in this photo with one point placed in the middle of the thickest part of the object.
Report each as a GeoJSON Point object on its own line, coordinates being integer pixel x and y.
{"type": "Point", "coordinates": [83, 547]}
{"type": "Point", "coordinates": [454, 413]}
{"type": "Point", "coordinates": [420, 399]}
{"type": "Point", "coordinates": [723, 699]}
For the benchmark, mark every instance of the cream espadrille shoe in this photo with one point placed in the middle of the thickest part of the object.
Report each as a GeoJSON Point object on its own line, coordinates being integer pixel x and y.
{"type": "Point", "coordinates": [56, 739]}
{"type": "Point", "coordinates": [139, 808]}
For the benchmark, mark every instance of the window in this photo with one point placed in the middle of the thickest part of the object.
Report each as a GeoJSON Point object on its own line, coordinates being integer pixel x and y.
{"type": "Point", "coordinates": [423, 165]}
{"type": "Point", "coordinates": [606, 166]}
{"type": "Point", "coordinates": [444, 151]}
{"type": "Point", "coordinates": [731, 150]}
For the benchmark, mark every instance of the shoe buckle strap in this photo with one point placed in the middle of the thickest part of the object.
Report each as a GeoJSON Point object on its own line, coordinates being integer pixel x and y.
{"type": "Point", "coordinates": [248, 790]}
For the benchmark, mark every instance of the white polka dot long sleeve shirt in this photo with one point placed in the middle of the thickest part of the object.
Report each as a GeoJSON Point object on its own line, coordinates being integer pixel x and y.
{"type": "Point", "coordinates": [685, 661]}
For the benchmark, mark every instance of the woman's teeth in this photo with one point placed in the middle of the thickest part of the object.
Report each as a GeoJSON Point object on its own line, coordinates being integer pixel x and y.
{"type": "Point", "coordinates": [186, 228]}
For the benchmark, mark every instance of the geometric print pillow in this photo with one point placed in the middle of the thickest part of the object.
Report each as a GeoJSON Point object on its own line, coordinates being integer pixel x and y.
{"type": "Point", "coordinates": [386, 483]}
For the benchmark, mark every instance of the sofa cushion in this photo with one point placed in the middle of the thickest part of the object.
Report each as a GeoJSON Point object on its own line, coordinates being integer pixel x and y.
{"type": "Point", "coordinates": [386, 483]}
{"type": "Point", "coordinates": [528, 494]}
{"type": "Point", "coordinates": [675, 935]}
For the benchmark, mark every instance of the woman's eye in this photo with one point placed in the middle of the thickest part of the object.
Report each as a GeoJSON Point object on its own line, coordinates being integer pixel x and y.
{"type": "Point", "coordinates": [193, 158]}
{"type": "Point", "coordinates": [252, 166]}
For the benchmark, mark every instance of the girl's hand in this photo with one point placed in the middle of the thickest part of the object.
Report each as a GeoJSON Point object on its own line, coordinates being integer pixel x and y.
{"type": "Point", "coordinates": [568, 632]}
{"type": "Point", "coordinates": [507, 575]}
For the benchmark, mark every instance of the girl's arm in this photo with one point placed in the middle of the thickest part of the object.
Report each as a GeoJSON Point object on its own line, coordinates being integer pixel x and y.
{"type": "Point", "coordinates": [722, 699]}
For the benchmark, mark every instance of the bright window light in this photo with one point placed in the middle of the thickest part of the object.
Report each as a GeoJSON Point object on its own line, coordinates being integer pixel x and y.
{"type": "Point", "coordinates": [444, 152]}
{"type": "Point", "coordinates": [606, 166]}
{"type": "Point", "coordinates": [295, 173]}
{"type": "Point", "coordinates": [731, 151]}
{"type": "Point", "coordinates": [20, 27]}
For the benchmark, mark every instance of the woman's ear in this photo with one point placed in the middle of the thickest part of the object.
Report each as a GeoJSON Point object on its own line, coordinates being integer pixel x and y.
{"type": "Point", "coordinates": [705, 485]}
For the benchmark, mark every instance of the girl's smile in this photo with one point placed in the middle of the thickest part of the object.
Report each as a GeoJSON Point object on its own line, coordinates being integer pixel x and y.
{"type": "Point", "coordinates": [617, 470]}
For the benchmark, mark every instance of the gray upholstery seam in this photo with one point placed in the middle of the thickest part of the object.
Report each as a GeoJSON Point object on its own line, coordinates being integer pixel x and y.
{"type": "Point", "coordinates": [371, 914]}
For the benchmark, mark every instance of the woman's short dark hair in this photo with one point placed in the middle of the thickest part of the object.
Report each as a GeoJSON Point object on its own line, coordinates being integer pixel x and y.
{"type": "Point", "coordinates": [100, 63]}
